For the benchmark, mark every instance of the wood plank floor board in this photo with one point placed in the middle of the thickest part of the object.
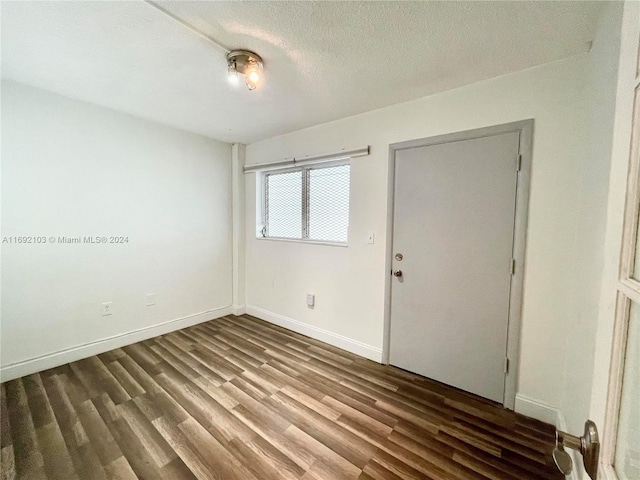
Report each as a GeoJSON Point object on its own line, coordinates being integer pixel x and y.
{"type": "Point", "coordinates": [482, 468]}
{"type": "Point", "coordinates": [154, 444]}
{"type": "Point", "coordinates": [131, 386]}
{"type": "Point", "coordinates": [435, 411]}
{"type": "Point", "coordinates": [5, 426]}
{"type": "Point", "coordinates": [56, 458]}
{"type": "Point", "coordinates": [120, 469]}
{"type": "Point", "coordinates": [134, 450]}
{"type": "Point", "coordinates": [177, 362]}
{"type": "Point", "coordinates": [435, 453]}
{"type": "Point", "coordinates": [325, 384]}
{"type": "Point", "coordinates": [41, 412]}
{"type": "Point", "coordinates": [105, 447]}
{"type": "Point", "coordinates": [57, 461]}
{"type": "Point", "coordinates": [146, 360]}
{"type": "Point", "coordinates": [177, 469]}
{"type": "Point", "coordinates": [374, 471]}
{"type": "Point", "coordinates": [266, 461]}
{"type": "Point", "coordinates": [223, 460]}
{"type": "Point", "coordinates": [140, 375]}
{"type": "Point", "coordinates": [401, 469]}
{"type": "Point", "coordinates": [502, 435]}
{"type": "Point", "coordinates": [368, 409]}
{"type": "Point", "coordinates": [293, 380]}
{"type": "Point", "coordinates": [328, 463]}
{"type": "Point", "coordinates": [76, 441]}
{"type": "Point", "coordinates": [300, 455]}
{"type": "Point", "coordinates": [518, 469]}
{"type": "Point", "coordinates": [239, 360]}
{"type": "Point", "coordinates": [333, 435]}
{"type": "Point", "coordinates": [235, 341]}
{"type": "Point", "coordinates": [237, 398]}
{"type": "Point", "coordinates": [28, 457]}
{"type": "Point", "coordinates": [273, 346]}
{"type": "Point", "coordinates": [491, 441]}
{"type": "Point", "coordinates": [196, 463]}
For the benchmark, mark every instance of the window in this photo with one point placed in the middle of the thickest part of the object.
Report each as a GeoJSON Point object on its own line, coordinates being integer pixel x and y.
{"type": "Point", "coordinates": [621, 438]}
{"type": "Point", "coordinates": [307, 203]}
{"type": "Point", "coordinates": [627, 449]}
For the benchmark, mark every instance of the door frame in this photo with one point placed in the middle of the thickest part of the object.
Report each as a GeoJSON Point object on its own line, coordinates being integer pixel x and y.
{"type": "Point", "coordinates": [525, 130]}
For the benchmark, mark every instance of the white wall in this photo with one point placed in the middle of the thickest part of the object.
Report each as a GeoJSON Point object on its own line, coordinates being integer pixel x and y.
{"type": "Point", "coordinates": [349, 282]}
{"type": "Point", "coordinates": [592, 175]}
{"type": "Point", "coordinates": [70, 168]}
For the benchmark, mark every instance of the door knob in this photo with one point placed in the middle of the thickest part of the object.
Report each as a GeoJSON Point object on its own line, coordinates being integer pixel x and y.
{"type": "Point", "coordinates": [397, 273]}
{"type": "Point", "coordinates": [588, 445]}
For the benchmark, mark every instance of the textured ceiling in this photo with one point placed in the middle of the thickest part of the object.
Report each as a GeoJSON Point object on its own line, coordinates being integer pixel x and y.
{"type": "Point", "coordinates": [323, 60]}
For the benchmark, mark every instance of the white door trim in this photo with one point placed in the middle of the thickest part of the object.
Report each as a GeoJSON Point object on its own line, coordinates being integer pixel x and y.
{"type": "Point", "coordinates": [525, 129]}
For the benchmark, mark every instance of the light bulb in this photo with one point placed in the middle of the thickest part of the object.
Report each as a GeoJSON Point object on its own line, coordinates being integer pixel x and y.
{"type": "Point", "coordinates": [254, 76]}
{"type": "Point", "coordinates": [232, 74]}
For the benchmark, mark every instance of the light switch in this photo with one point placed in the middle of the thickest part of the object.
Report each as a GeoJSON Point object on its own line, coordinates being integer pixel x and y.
{"type": "Point", "coordinates": [371, 238]}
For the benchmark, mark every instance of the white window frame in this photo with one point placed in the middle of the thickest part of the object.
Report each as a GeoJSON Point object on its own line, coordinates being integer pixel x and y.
{"type": "Point", "coordinates": [262, 229]}
{"type": "Point", "coordinates": [628, 292]}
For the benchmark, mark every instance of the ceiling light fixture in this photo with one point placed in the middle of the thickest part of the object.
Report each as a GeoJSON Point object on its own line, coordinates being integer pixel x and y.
{"type": "Point", "coordinates": [239, 62]}
{"type": "Point", "coordinates": [244, 62]}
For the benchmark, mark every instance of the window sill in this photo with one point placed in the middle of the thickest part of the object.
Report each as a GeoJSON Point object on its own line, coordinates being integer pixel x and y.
{"type": "Point", "coordinates": [310, 242]}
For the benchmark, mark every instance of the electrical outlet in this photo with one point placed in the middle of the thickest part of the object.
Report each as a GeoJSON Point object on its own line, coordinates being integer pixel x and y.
{"type": "Point", "coordinates": [311, 299]}
{"type": "Point", "coordinates": [107, 309]}
{"type": "Point", "coordinates": [151, 299]}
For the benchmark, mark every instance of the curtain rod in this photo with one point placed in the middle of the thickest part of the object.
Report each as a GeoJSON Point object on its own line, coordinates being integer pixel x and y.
{"type": "Point", "coordinates": [325, 157]}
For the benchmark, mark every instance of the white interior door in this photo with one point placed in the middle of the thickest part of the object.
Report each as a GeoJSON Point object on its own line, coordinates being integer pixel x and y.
{"type": "Point", "coordinates": [454, 211]}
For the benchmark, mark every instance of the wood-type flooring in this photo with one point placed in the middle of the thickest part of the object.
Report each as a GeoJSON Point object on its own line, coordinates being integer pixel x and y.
{"type": "Point", "coordinates": [240, 399]}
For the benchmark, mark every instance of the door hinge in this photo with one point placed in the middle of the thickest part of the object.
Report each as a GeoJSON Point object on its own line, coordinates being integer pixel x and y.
{"type": "Point", "coordinates": [506, 365]}
{"type": "Point", "coordinates": [518, 163]}
{"type": "Point", "coordinates": [513, 266]}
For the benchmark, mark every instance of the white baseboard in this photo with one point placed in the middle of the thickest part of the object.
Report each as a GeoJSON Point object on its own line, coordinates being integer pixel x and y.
{"type": "Point", "coordinates": [533, 408]}
{"type": "Point", "coordinates": [239, 309]}
{"type": "Point", "coordinates": [55, 359]}
{"type": "Point", "coordinates": [348, 344]}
